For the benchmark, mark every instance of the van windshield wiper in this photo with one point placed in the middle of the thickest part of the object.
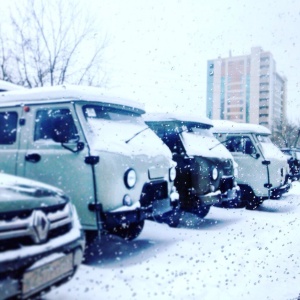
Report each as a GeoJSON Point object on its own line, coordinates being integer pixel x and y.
{"type": "Point", "coordinates": [136, 134]}
{"type": "Point", "coordinates": [220, 144]}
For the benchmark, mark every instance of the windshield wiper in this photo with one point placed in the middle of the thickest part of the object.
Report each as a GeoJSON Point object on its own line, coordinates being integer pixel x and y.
{"type": "Point", "coordinates": [220, 144]}
{"type": "Point", "coordinates": [136, 134]}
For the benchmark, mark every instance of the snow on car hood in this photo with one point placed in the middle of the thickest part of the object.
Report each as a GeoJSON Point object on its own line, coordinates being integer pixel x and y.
{"type": "Point", "coordinates": [21, 193]}
{"type": "Point", "coordinates": [207, 146]}
{"type": "Point", "coordinates": [271, 151]}
{"type": "Point", "coordinates": [126, 138]}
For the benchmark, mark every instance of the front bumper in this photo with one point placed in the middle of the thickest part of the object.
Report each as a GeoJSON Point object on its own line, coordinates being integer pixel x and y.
{"type": "Point", "coordinates": [231, 198]}
{"type": "Point", "coordinates": [277, 192]}
{"type": "Point", "coordinates": [158, 207]}
{"type": "Point", "coordinates": [294, 176]}
{"type": "Point", "coordinates": [210, 198]}
{"type": "Point", "coordinates": [32, 269]}
{"type": "Point", "coordinates": [153, 203]}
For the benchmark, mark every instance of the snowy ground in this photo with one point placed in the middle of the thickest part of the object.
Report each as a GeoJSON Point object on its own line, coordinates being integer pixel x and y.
{"type": "Point", "coordinates": [231, 254]}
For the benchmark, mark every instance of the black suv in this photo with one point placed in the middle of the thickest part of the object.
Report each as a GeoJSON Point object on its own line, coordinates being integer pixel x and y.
{"type": "Point", "coordinates": [41, 241]}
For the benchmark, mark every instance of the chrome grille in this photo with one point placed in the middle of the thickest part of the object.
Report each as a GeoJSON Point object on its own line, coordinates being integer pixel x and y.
{"type": "Point", "coordinates": [38, 227]}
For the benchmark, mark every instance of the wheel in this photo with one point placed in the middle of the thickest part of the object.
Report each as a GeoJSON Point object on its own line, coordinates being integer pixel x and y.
{"type": "Point", "coordinates": [128, 231]}
{"type": "Point", "coordinates": [201, 211]}
{"type": "Point", "coordinates": [252, 204]}
{"type": "Point", "coordinates": [250, 201]}
{"type": "Point", "coordinates": [172, 218]}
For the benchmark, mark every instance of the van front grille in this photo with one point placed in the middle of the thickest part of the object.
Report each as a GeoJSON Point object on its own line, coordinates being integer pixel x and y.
{"type": "Point", "coordinates": [156, 190]}
{"type": "Point", "coordinates": [226, 183]}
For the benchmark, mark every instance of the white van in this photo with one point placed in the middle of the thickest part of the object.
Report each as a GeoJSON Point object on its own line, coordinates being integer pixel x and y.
{"type": "Point", "coordinates": [262, 167]}
{"type": "Point", "coordinates": [96, 148]}
{"type": "Point", "coordinates": [205, 170]}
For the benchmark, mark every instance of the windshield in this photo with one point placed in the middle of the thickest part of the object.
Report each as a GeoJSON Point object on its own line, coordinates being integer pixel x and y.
{"type": "Point", "coordinates": [111, 114]}
{"type": "Point", "coordinates": [203, 143]}
{"type": "Point", "coordinates": [120, 131]}
{"type": "Point", "coordinates": [268, 148]}
{"type": "Point", "coordinates": [110, 123]}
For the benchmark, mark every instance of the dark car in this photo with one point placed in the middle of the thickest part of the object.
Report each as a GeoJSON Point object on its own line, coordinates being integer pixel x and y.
{"type": "Point", "coordinates": [205, 168]}
{"type": "Point", "coordinates": [293, 159]}
{"type": "Point", "coordinates": [41, 241]}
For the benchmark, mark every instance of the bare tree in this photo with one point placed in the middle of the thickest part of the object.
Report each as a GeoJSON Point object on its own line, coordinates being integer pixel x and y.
{"type": "Point", "coordinates": [285, 133]}
{"type": "Point", "coordinates": [50, 43]}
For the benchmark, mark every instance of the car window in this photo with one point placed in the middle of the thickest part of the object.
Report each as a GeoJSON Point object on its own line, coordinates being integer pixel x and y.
{"type": "Point", "coordinates": [241, 144]}
{"type": "Point", "coordinates": [8, 127]}
{"type": "Point", "coordinates": [49, 121]}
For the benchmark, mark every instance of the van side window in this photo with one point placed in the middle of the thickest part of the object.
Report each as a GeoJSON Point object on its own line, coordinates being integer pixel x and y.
{"type": "Point", "coordinates": [8, 127]}
{"type": "Point", "coordinates": [49, 122]}
{"type": "Point", "coordinates": [240, 144]}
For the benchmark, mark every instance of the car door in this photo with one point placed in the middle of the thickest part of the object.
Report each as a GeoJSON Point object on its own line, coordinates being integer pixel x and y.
{"type": "Point", "coordinates": [9, 138]}
{"type": "Point", "coordinates": [59, 164]}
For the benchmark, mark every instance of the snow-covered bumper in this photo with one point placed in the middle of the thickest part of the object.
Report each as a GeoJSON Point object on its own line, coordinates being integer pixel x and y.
{"type": "Point", "coordinates": [210, 198]}
{"type": "Point", "coordinates": [230, 193]}
{"type": "Point", "coordinates": [277, 192]}
{"type": "Point", "coordinates": [31, 269]}
{"type": "Point", "coordinates": [155, 201]}
{"type": "Point", "coordinates": [231, 198]}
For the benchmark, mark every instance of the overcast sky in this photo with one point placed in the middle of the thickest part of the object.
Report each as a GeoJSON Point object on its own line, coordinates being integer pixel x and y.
{"type": "Point", "coordinates": [158, 50]}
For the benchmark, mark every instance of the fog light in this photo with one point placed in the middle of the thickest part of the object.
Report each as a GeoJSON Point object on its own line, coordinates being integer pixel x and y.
{"type": "Point", "coordinates": [127, 201]}
{"type": "Point", "coordinates": [212, 188]}
{"type": "Point", "coordinates": [174, 195]}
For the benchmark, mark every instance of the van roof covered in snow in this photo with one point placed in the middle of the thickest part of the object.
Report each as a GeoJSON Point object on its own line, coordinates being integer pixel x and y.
{"type": "Point", "coordinates": [160, 117]}
{"type": "Point", "coordinates": [65, 93]}
{"type": "Point", "coordinates": [8, 86]}
{"type": "Point", "coordinates": [224, 126]}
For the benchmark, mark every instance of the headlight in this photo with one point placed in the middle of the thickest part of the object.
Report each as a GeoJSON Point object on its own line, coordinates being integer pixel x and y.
{"type": "Point", "coordinates": [172, 173]}
{"type": "Point", "coordinates": [127, 201]}
{"type": "Point", "coordinates": [130, 178]}
{"type": "Point", "coordinates": [214, 173]}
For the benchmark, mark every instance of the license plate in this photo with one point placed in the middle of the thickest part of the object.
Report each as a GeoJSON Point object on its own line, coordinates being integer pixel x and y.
{"type": "Point", "coordinates": [46, 274]}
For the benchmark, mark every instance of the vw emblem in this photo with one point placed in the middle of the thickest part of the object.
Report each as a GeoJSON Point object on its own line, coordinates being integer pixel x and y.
{"type": "Point", "coordinates": [41, 226]}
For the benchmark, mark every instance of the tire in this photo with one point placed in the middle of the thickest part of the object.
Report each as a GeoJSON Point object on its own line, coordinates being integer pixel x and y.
{"type": "Point", "coordinates": [252, 204]}
{"type": "Point", "coordinates": [171, 218]}
{"type": "Point", "coordinates": [248, 198]}
{"type": "Point", "coordinates": [128, 232]}
{"type": "Point", "coordinates": [201, 211]}
{"type": "Point", "coordinates": [174, 217]}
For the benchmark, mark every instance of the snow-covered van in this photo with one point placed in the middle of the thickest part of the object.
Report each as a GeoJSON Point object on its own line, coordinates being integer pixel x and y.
{"type": "Point", "coordinates": [97, 148]}
{"type": "Point", "coordinates": [205, 170]}
{"type": "Point", "coordinates": [262, 167]}
{"type": "Point", "coordinates": [41, 239]}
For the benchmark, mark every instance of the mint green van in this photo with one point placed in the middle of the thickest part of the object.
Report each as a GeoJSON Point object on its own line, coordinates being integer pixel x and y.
{"type": "Point", "coordinates": [96, 148]}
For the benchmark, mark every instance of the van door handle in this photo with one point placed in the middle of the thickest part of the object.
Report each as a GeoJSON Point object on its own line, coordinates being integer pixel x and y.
{"type": "Point", "coordinates": [34, 157]}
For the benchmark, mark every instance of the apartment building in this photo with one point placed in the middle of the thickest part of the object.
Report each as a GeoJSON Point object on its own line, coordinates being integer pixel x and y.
{"type": "Point", "coordinates": [246, 89]}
